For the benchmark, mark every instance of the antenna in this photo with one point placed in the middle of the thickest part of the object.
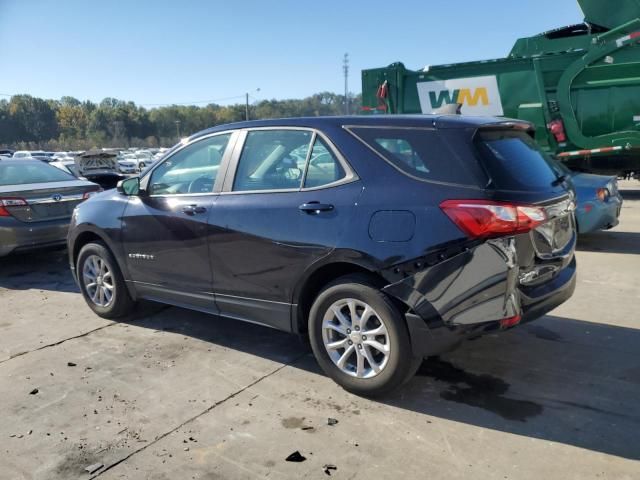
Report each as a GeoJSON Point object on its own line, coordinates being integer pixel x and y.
{"type": "Point", "coordinates": [345, 69]}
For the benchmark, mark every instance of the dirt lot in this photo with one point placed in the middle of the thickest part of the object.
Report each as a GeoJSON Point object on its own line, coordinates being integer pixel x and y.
{"type": "Point", "coordinates": [173, 394]}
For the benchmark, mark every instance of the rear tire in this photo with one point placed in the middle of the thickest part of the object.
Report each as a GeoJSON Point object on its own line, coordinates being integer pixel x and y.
{"type": "Point", "coordinates": [101, 282]}
{"type": "Point", "coordinates": [360, 338]}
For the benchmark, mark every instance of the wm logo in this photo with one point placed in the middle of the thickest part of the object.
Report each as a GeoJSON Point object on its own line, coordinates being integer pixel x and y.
{"type": "Point", "coordinates": [465, 96]}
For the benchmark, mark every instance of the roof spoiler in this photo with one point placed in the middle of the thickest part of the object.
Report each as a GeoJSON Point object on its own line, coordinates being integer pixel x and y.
{"type": "Point", "coordinates": [519, 125]}
{"type": "Point", "coordinates": [449, 109]}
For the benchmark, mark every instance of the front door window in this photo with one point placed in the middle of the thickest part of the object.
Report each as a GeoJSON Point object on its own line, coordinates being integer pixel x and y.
{"type": "Point", "coordinates": [193, 169]}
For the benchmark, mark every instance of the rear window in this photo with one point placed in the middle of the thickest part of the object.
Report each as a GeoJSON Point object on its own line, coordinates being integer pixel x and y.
{"type": "Point", "coordinates": [21, 173]}
{"type": "Point", "coordinates": [421, 153]}
{"type": "Point", "coordinates": [514, 161]}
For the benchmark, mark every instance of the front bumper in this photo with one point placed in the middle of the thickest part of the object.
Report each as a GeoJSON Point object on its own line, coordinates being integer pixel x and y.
{"type": "Point", "coordinates": [17, 236]}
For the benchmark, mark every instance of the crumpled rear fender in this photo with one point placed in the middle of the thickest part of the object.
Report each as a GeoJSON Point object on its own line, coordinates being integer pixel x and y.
{"type": "Point", "coordinates": [477, 285]}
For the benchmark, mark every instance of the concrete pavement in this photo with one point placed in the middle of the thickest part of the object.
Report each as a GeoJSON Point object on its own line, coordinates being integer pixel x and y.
{"type": "Point", "coordinates": [173, 394]}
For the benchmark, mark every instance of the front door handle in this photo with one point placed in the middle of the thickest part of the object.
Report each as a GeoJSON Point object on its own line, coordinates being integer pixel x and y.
{"type": "Point", "coordinates": [193, 209]}
{"type": "Point", "coordinates": [314, 208]}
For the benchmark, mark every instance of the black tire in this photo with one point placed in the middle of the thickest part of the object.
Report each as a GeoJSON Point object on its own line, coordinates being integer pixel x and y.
{"type": "Point", "coordinates": [121, 303]}
{"type": "Point", "coordinates": [401, 364]}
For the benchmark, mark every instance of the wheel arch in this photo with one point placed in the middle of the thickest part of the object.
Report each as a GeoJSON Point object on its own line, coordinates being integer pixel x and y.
{"type": "Point", "coordinates": [316, 279]}
{"type": "Point", "coordinates": [89, 235]}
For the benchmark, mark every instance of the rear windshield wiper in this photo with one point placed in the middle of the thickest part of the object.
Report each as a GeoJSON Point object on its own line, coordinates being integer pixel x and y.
{"type": "Point", "coordinates": [561, 179]}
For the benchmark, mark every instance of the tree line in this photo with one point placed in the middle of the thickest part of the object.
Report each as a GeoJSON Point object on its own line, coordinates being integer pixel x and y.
{"type": "Point", "coordinates": [28, 123]}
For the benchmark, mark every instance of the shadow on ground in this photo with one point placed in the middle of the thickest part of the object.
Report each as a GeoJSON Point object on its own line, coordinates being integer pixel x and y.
{"type": "Point", "coordinates": [630, 193]}
{"type": "Point", "coordinates": [610, 241]}
{"type": "Point", "coordinates": [39, 270]}
{"type": "Point", "coordinates": [557, 379]}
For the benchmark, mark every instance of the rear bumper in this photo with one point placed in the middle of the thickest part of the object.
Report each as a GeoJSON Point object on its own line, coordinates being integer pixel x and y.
{"type": "Point", "coordinates": [469, 294]}
{"type": "Point", "coordinates": [538, 301]}
{"type": "Point", "coordinates": [598, 215]}
{"type": "Point", "coordinates": [17, 236]}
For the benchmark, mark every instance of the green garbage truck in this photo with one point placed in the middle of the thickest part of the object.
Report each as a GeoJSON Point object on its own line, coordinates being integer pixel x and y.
{"type": "Point", "coordinates": [580, 86]}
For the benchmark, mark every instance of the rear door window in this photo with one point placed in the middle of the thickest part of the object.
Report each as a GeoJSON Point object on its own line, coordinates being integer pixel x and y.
{"type": "Point", "coordinates": [515, 162]}
{"type": "Point", "coordinates": [418, 152]}
{"type": "Point", "coordinates": [272, 160]}
{"type": "Point", "coordinates": [323, 168]}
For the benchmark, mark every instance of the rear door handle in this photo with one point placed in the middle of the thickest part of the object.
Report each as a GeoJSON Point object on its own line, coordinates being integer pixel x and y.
{"type": "Point", "coordinates": [193, 209]}
{"type": "Point", "coordinates": [313, 208]}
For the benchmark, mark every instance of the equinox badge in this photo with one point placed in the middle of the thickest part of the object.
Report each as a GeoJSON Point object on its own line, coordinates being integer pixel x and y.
{"type": "Point", "coordinates": [141, 256]}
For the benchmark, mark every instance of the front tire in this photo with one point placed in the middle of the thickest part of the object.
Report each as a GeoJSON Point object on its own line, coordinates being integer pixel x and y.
{"type": "Point", "coordinates": [101, 282]}
{"type": "Point", "coordinates": [360, 338]}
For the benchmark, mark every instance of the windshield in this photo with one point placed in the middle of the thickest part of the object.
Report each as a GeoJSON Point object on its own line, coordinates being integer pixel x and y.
{"type": "Point", "coordinates": [31, 172]}
{"type": "Point", "coordinates": [515, 162]}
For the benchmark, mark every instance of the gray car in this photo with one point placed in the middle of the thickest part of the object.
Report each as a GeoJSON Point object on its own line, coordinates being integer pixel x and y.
{"type": "Point", "coordinates": [36, 203]}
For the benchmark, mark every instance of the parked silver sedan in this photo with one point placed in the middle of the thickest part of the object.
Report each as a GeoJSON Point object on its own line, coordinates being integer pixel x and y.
{"type": "Point", "coordinates": [36, 203]}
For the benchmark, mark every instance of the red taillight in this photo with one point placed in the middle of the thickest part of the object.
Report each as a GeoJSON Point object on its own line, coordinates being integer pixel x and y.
{"type": "Point", "coordinates": [90, 194]}
{"type": "Point", "coordinates": [602, 194]}
{"type": "Point", "coordinates": [485, 219]}
{"type": "Point", "coordinates": [510, 322]}
{"type": "Point", "coordinates": [10, 202]}
{"type": "Point", "coordinates": [557, 129]}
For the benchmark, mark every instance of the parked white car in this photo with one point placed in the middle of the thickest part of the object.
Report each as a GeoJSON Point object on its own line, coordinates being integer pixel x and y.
{"type": "Point", "coordinates": [128, 164]}
{"type": "Point", "coordinates": [68, 166]}
{"type": "Point", "coordinates": [63, 157]}
{"type": "Point", "coordinates": [22, 154]}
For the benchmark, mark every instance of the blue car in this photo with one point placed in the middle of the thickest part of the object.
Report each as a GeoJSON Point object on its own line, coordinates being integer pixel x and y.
{"type": "Point", "coordinates": [598, 200]}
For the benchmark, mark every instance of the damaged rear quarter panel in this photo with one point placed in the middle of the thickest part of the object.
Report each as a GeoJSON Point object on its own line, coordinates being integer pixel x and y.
{"type": "Point", "coordinates": [475, 286]}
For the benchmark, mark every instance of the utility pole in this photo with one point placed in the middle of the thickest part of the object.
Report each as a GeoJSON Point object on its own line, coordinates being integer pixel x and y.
{"type": "Point", "coordinates": [177, 122]}
{"type": "Point", "coordinates": [246, 104]}
{"type": "Point", "coordinates": [345, 69]}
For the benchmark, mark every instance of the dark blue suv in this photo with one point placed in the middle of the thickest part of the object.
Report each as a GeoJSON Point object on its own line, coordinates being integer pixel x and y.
{"type": "Point", "coordinates": [384, 239]}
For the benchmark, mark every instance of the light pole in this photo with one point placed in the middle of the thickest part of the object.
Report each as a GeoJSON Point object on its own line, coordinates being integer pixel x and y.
{"type": "Point", "coordinates": [246, 104]}
{"type": "Point", "coordinates": [345, 69]}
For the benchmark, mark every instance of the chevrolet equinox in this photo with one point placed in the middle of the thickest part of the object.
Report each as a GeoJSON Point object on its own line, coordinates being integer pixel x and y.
{"type": "Point", "coordinates": [384, 239]}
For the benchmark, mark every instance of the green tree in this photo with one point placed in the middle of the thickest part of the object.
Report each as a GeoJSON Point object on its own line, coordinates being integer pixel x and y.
{"type": "Point", "coordinates": [34, 117]}
{"type": "Point", "coordinates": [34, 123]}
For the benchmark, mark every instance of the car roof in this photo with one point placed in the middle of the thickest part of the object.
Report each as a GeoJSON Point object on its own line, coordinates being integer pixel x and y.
{"type": "Point", "coordinates": [425, 121]}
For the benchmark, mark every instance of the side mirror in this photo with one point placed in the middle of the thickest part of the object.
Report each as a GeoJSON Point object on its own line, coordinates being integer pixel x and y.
{"type": "Point", "coordinates": [129, 186]}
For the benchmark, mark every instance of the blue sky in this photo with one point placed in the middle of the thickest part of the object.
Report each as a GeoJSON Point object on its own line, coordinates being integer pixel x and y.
{"type": "Point", "coordinates": [182, 51]}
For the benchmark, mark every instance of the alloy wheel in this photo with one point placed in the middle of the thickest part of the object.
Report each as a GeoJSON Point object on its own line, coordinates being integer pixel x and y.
{"type": "Point", "coordinates": [355, 338]}
{"type": "Point", "coordinates": [98, 281]}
